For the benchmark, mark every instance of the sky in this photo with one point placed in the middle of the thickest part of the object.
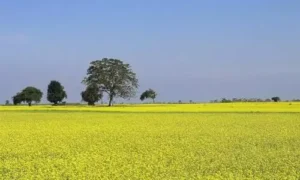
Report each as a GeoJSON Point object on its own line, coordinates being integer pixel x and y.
{"type": "Point", "coordinates": [185, 50]}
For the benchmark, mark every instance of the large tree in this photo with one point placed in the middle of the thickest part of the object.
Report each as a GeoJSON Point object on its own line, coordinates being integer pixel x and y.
{"type": "Point", "coordinates": [56, 92]}
{"type": "Point", "coordinates": [28, 95]}
{"type": "Point", "coordinates": [150, 93]}
{"type": "Point", "coordinates": [113, 77]}
{"type": "Point", "coordinates": [91, 95]}
{"type": "Point", "coordinates": [276, 99]}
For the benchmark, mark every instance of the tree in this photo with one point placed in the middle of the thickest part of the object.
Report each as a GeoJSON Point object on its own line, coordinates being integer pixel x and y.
{"type": "Point", "coordinates": [150, 93]}
{"type": "Point", "coordinates": [7, 102]}
{"type": "Point", "coordinates": [268, 100]}
{"type": "Point", "coordinates": [113, 77]}
{"type": "Point", "coordinates": [224, 100]}
{"type": "Point", "coordinates": [28, 95]}
{"type": "Point", "coordinates": [276, 99]}
{"type": "Point", "coordinates": [32, 94]}
{"type": "Point", "coordinates": [56, 92]}
{"type": "Point", "coordinates": [17, 99]}
{"type": "Point", "coordinates": [91, 95]}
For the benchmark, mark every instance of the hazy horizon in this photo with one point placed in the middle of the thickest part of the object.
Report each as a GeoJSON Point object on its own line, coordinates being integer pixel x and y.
{"type": "Point", "coordinates": [195, 50]}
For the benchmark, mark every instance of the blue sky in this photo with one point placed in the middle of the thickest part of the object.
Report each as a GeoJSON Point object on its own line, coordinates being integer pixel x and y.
{"type": "Point", "coordinates": [198, 50]}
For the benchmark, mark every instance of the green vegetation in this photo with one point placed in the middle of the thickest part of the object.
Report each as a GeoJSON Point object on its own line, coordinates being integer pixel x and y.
{"type": "Point", "coordinates": [276, 99]}
{"type": "Point", "coordinates": [150, 93]}
{"type": "Point", "coordinates": [56, 92]}
{"type": "Point", "coordinates": [112, 76]}
{"type": "Point", "coordinates": [91, 95]}
{"type": "Point", "coordinates": [28, 95]}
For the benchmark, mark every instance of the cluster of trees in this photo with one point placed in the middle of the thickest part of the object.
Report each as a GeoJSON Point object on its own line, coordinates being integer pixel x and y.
{"type": "Point", "coordinates": [28, 95]}
{"type": "Point", "coordinates": [55, 94]}
{"type": "Point", "coordinates": [224, 100]}
{"type": "Point", "coordinates": [112, 77]}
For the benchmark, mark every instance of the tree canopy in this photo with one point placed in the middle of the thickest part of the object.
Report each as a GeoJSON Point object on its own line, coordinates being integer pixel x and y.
{"type": "Point", "coordinates": [28, 95]}
{"type": "Point", "coordinates": [276, 99]}
{"type": "Point", "coordinates": [17, 99]}
{"type": "Point", "coordinates": [150, 93]}
{"type": "Point", "coordinates": [112, 76]}
{"type": "Point", "coordinates": [56, 92]}
{"type": "Point", "coordinates": [91, 95]}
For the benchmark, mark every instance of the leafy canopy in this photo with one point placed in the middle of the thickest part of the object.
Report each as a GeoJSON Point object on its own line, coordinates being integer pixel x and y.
{"type": "Point", "coordinates": [150, 93]}
{"type": "Point", "coordinates": [276, 99]}
{"type": "Point", "coordinates": [28, 95]}
{"type": "Point", "coordinates": [112, 76]}
{"type": "Point", "coordinates": [91, 95]}
{"type": "Point", "coordinates": [17, 99]}
{"type": "Point", "coordinates": [56, 92]}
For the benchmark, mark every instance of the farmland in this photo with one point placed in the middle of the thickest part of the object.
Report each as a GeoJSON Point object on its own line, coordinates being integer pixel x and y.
{"type": "Point", "coordinates": [284, 107]}
{"type": "Point", "coordinates": [151, 142]}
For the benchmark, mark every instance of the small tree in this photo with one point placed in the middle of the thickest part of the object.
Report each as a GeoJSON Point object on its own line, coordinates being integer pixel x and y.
{"type": "Point", "coordinates": [224, 100]}
{"type": "Point", "coordinates": [276, 99]}
{"type": "Point", "coordinates": [113, 77]}
{"type": "Point", "coordinates": [17, 99]}
{"type": "Point", "coordinates": [7, 102]}
{"type": "Point", "coordinates": [150, 93]}
{"type": "Point", "coordinates": [56, 92]}
{"type": "Point", "coordinates": [268, 100]}
{"type": "Point", "coordinates": [28, 95]}
{"type": "Point", "coordinates": [91, 95]}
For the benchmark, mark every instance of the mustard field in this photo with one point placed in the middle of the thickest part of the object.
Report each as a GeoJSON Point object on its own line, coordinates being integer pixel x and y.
{"type": "Point", "coordinates": [163, 142]}
{"type": "Point", "coordinates": [204, 107]}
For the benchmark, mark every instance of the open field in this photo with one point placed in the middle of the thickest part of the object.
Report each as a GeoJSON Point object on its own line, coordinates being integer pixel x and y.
{"type": "Point", "coordinates": [91, 145]}
{"type": "Point", "coordinates": [204, 107]}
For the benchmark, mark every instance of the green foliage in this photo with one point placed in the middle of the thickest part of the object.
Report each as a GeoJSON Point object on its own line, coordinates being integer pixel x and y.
{"type": "Point", "coordinates": [276, 99]}
{"type": "Point", "coordinates": [224, 100]}
{"type": "Point", "coordinates": [56, 92]}
{"type": "Point", "coordinates": [113, 77]}
{"type": "Point", "coordinates": [150, 93]}
{"type": "Point", "coordinates": [18, 98]}
{"type": "Point", "coordinates": [91, 95]}
{"type": "Point", "coordinates": [28, 95]}
{"type": "Point", "coordinates": [7, 102]}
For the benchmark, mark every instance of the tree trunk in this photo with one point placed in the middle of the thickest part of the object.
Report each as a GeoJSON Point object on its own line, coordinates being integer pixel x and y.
{"type": "Point", "coordinates": [91, 103]}
{"type": "Point", "coordinates": [153, 101]}
{"type": "Point", "coordinates": [111, 100]}
{"type": "Point", "coordinates": [29, 103]}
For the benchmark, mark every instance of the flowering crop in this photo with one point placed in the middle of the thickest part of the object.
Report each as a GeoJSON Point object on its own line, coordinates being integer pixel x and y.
{"type": "Point", "coordinates": [204, 107]}
{"type": "Point", "coordinates": [106, 145]}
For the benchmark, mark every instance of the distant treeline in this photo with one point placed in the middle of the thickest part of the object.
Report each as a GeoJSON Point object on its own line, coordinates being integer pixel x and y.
{"type": "Point", "coordinates": [112, 77]}
{"type": "Point", "coordinates": [273, 99]}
